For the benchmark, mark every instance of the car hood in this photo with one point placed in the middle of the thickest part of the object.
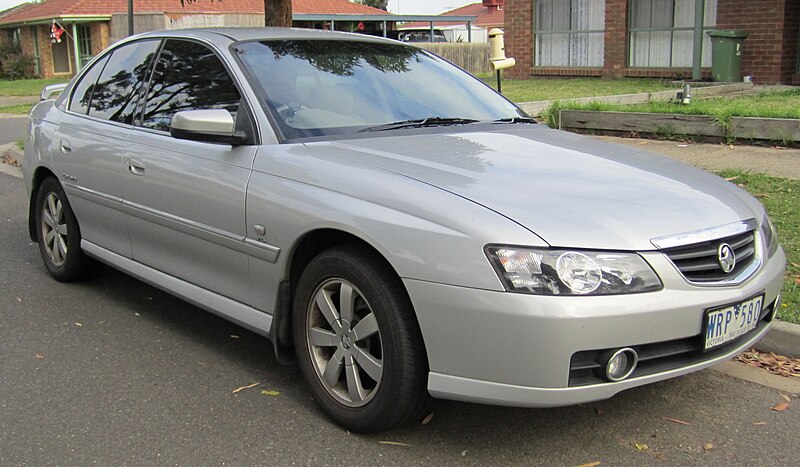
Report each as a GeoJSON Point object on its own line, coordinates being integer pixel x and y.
{"type": "Point", "coordinates": [570, 190]}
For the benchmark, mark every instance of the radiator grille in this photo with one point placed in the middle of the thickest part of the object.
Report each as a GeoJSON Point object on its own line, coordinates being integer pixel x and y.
{"type": "Point", "coordinates": [699, 262]}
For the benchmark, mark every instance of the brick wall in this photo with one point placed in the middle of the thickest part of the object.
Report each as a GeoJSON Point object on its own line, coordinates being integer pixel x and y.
{"type": "Point", "coordinates": [518, 36]}
{"type": "Point", "coordinates": [100, 34]}
{"type": "Point", "coordinates": [770, 40]}
{"type": "Point", "coordinates": [770, 51]}
{"type": "Point", "coordinates": [616, 38]}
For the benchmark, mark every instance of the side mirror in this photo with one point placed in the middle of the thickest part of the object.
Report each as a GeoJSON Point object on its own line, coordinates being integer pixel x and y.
{"type": "Point", "coordinates": [210, 125]}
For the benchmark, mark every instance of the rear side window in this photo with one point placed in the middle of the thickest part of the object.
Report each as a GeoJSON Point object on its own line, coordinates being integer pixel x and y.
{"type": "Point", "coordinates": [82, 95]}
{"type": "Point", "coordinates": [117, 91]}
{"type": "Point", "coordinates": [187, 76]}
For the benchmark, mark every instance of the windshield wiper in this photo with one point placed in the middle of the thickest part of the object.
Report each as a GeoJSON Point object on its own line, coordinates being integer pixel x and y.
{"type": "Point", "coordinates": [422, 122]}
{"type": "Point", "coordinates": [515, 120]}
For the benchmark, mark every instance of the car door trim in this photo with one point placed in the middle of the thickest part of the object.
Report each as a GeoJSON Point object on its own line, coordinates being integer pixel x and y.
{"type": "Point", "coordinates": [205, 232]}
{"type": "Point", "coordinates": [251, 318]}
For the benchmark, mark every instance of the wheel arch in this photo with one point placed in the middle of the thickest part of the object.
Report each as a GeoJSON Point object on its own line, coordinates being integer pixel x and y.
{"type": "Point", "coordinates": [306, 249]}
{"type": "Point", "coordinates": [38, 177]}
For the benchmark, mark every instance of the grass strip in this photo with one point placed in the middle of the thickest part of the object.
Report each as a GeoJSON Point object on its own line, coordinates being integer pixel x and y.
{"type": "Point", "coordinates": [19, 109]}
{"type": "Point", "coordinates": [543, 89]}
{"type": "Point", "coordinates": [26, 87]}
{"type": "Point", "coordinates": [774, 104]}
{"type": "Point", "coordinates": [781, 198]}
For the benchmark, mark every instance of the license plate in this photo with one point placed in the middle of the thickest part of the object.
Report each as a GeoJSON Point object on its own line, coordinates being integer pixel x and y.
{"type": "Point", "coordinates": [726, 323]}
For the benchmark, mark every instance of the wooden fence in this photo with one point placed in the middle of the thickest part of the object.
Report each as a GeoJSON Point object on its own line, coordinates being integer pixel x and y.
{"type": "Point", "coordinates": [471, 56]}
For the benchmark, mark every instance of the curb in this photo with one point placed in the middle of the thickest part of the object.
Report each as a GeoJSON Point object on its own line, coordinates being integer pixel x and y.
{"type": "Point", "coordinates": [783, 339]}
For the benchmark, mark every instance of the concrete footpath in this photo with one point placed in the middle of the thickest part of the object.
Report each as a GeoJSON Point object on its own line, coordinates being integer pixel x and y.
{"type": "Point", "coordinates": [784, 338]}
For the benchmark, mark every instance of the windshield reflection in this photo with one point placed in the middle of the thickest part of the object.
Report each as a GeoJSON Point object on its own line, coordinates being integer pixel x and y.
{"type": "Point", "coordinates": [333, 87]}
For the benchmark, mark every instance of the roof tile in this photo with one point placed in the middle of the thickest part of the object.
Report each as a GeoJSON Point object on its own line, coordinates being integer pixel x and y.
{"type": "Point", "coordinates": [61, 8]}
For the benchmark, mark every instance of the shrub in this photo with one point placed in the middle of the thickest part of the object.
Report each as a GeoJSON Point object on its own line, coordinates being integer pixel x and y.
{"type": "Point", "coordinates": [17, 66]}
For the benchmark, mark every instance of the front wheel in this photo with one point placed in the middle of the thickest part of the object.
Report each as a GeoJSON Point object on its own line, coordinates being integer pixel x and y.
{"type": "Point", "coordinates": [358, 343]}
{"type": "Point", "coordinates": [59, 236]}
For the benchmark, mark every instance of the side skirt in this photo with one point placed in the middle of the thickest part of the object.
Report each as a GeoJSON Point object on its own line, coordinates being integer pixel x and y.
{"type": "Point", "coordinates": [243, 315]}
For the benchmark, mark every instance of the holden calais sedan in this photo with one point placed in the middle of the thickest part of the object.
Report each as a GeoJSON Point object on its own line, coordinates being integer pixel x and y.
{"type": "Point", "coordinates": [392, 224]}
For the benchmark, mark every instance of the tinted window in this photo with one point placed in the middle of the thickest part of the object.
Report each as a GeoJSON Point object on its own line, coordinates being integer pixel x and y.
{"type": "Point", "coordinates": [82, 95]}
{"type": "Point", "coordinates": [116, 92]}
{"type": "Point", "coordinates": [188, 76]}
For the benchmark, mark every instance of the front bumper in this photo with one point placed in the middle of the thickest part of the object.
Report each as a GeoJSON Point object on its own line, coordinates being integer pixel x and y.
{"type": "Point", "coordinates": [513, 349]}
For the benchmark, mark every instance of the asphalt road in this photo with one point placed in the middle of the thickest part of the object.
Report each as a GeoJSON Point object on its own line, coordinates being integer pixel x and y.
{"type": "Point", "coordinates": [114, 372]}
{"type": "Point", "coordinates": [12, 128]}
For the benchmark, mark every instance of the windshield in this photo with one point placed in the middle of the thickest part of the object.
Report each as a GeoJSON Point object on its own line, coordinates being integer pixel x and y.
{"type": "Point", "coordinates": [333, 87]}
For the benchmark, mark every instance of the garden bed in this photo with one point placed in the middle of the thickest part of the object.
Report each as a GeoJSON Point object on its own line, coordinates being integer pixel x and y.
{"type": "Point", "coordinates": [671, 125]}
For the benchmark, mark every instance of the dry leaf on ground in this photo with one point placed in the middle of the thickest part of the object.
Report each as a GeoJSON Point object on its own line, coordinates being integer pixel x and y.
{"type": "Point", "coordinates": [730, 179]}
{"type": "Point", "coordinates": [394, 443]}
{"type": "Point", "coordinates": [781, 407]}
{"type": "Point", "coordinates": [39, 356]}
{"type": "Point", "coordinates": [245, 387]}
{"type": "Point", "coordinates": [427, 418]}
{"type": "Point", "coordinates": [8, 159]}
{"type": "Point", "coordinates": [641, 446]}
{"type": "Point", "coordinates": [759, 423]}
{"type": "Point", "coordinates": [761, 195]}
{"type": "Point", "coordinates": [675, 420]}
{"type": "Point", "coordinates": [270, 393]}
{"type": "Point", "coordinates": [777, 364]}
{"type": "Point", "coordinates": [708, 446]}
{"type": "Point", "coordinates": [590, 464]}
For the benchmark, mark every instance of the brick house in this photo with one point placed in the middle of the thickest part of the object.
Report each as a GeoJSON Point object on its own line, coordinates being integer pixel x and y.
{"type": "Point", "coordinates": [648, 38]}
{"type": "Point", "coordinates": [92, 25]}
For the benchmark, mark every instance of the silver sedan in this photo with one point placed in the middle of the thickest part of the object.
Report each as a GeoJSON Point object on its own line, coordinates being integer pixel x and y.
{"type": "Point", "coordinates": [392, 224]}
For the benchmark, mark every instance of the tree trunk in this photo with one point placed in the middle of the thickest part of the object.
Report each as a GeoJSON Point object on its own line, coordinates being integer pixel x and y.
{"type": "Point", "coordinates": [278, 13]}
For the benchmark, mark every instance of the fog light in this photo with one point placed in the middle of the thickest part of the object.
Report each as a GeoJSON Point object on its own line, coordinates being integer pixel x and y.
{"type": "Point", "coordinates": [621, 364]}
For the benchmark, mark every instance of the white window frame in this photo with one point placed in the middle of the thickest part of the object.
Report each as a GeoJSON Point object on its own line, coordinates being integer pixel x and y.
{"type": "Point", "coordinates": [675, 50]}
{"type": "Point", "coordinates": [574, 34]}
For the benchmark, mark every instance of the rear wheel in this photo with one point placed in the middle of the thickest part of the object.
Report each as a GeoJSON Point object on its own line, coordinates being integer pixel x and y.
{"type": "Point", "coordinates": [59, 235]}
{"type": "Point", "coordinates": [358, 342]}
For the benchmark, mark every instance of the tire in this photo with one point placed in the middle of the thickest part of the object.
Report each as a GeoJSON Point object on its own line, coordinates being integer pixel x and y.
{"type": "Point", "coordinates": [59, 235]}
{"type": "Point", "coordinates": [362, 356]}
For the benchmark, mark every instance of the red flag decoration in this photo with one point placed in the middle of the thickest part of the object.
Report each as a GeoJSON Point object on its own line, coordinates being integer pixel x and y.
{"type": "Point", "coordinates": [56, 31]}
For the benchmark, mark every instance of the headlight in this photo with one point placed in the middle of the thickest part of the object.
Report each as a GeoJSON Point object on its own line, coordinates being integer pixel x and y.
{"type": "Point", "coordinates": [545, 271]}
{"type": "Point", "coordinates": [770, 235]}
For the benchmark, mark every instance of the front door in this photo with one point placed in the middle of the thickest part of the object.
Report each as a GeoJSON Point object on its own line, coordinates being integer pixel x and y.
{"type": "Point", "coordinates": [185, 199]}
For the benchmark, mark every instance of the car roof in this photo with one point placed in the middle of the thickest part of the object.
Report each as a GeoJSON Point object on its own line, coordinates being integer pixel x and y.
{"type": "Point", "coordinates": [266, 33]}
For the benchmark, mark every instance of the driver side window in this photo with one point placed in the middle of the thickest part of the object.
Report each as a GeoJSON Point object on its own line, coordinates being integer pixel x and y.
{"type": "Point", "coordinates": [187, 76]}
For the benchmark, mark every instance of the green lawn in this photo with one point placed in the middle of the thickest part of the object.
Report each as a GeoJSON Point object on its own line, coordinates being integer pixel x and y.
{"type": "Point", "coordinates": [543, 89]}
{"type": "Point", "coordinates": [26, 87]}
{"type": "Point", "coordinates": [22, 109]}
{"type": "Point", "coordinates": [781, 197]}
{"type": "Point", "coordinates": [776, 104]}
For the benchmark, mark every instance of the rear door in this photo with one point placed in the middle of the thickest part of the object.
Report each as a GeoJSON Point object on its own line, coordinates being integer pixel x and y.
{"type": "Point", "coordinates": [91, 139]}
{"type": "Point", "coordinates": [186, 198]}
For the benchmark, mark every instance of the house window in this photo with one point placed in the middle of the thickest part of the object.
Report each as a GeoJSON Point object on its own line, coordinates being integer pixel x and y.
{"type": "Point", "coordinates": [662, 32]}
{"type": "Point", "coordinates": [13, 36]}
{"type": "Point", "coordinates": [85, 43]}
{"type": "Point", "coordinates": [569, 33]}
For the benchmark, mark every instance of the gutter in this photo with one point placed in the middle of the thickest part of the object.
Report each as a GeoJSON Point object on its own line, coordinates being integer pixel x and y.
{"type": "Point", "coordinates": [61, 18]}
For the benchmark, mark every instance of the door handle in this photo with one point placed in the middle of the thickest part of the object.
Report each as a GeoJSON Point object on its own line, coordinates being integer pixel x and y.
{"type": "Point", "coordinates": [66, 147]}
{"type": "Point", "coordinates": [135, 166]}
